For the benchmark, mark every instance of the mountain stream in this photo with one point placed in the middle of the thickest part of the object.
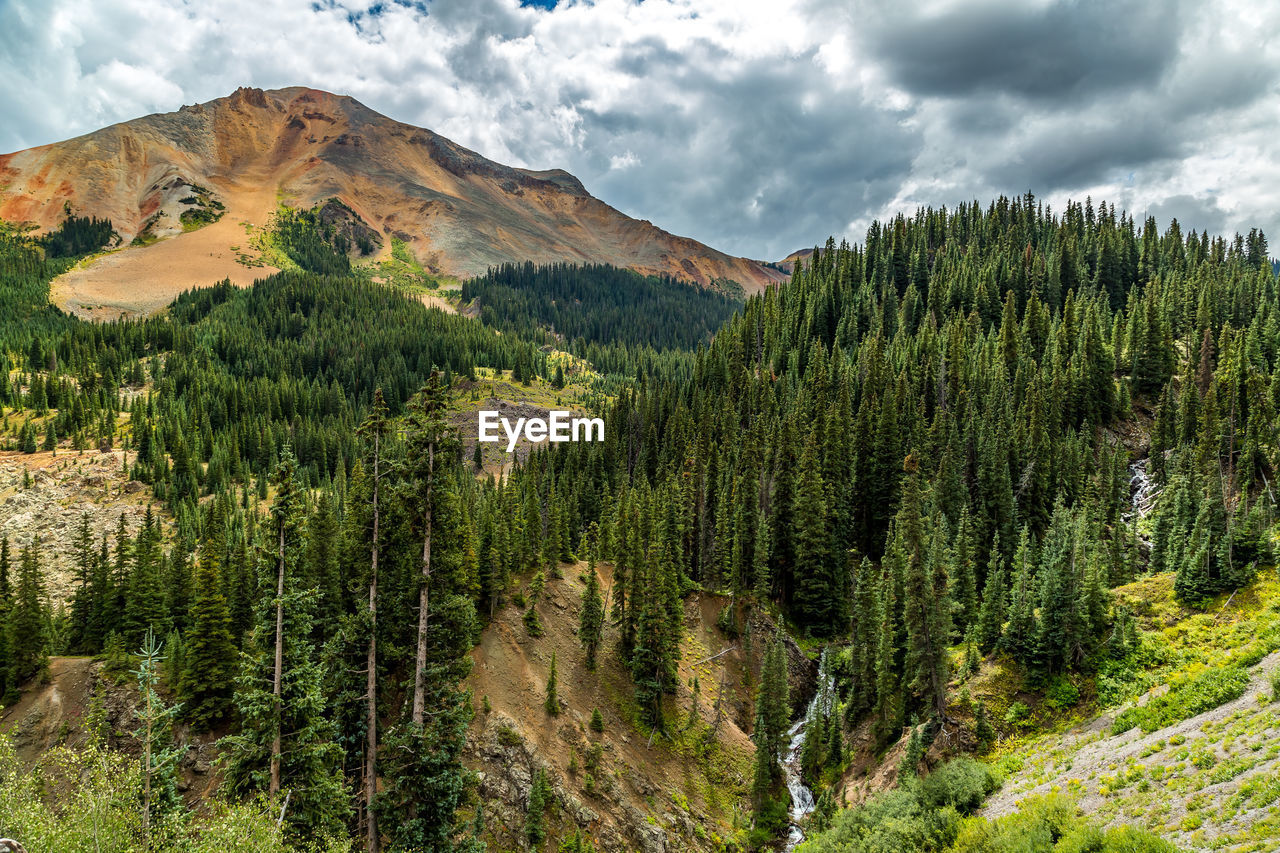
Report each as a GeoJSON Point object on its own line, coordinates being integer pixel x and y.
{"type": "Point", "coordinates": [802, 801]}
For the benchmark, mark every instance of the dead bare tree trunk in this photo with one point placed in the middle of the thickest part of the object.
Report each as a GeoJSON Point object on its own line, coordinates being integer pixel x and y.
{"type": "Point", "coordinates": [276, 680]}
{"type": "Point", "coordinates": [371, 662]}
{"type": "Point", "coordinates": [424, 600]}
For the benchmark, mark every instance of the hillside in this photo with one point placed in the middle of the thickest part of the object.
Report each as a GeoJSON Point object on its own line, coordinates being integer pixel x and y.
{"type": "Point", "coordinates": [622, 787]}
{"type": "Point", "coordinates": [185, 191]}
{"type": "Point", "coordinates": [1204, 779]}
{"type": "Point", "coordinates": [987, 519]}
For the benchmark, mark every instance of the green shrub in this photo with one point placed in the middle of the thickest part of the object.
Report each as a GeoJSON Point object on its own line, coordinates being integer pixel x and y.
{"type": "Point", "coordinates": [1052, 825]}
{"type": "Point", "coordinates": [771, 821]}
{"type": "Point", "coordinates": [962, 784]}
{"type": "Point", "coordinates": [1062, 694]}
{"type": "Point", "coordinates": [896, 820]}
{"type": "Point", "coordinates": [1184, 700]}
{"type": "Point", "coordinates": [1017, 715]}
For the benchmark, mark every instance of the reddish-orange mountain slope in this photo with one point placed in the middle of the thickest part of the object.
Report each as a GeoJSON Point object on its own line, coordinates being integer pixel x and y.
{"type": "Point", "coordinates": [458, 211]}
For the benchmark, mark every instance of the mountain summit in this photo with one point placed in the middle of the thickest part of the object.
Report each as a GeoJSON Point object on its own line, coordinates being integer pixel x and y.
{"type": "Point", "coordinates": [241, 155]}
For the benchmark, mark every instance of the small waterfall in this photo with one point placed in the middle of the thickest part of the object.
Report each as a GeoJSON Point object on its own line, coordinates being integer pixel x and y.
{"type": "Point", "coordinates": [1142, 490]}
{"type": "Point", "coordinates": [802, 801]}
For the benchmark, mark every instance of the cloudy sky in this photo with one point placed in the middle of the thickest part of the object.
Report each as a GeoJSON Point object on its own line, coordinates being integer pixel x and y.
{"type": "Point", "coordinates": [757, 127]}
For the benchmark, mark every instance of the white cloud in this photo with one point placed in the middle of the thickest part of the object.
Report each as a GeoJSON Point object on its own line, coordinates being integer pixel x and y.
{"type": "Point", "coordinates": [626, 160]}
{"type": "Point", "coordinates": [758, 127]}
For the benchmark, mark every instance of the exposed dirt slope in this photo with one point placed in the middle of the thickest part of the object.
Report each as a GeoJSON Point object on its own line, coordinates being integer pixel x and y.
{"type": "Point", "coordinates": [458, 211]}
{"type": "Point", "coordinates": [674, 792]}
{"type": "Point", "coordinates": [60, 711]}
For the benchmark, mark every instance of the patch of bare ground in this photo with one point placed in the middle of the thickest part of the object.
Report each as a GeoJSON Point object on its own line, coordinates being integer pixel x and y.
{"type": "Point", "coordinates": [139, 281]}
{"type": "Point", "coordinates": [435, 300]}
{"type": "Point", "coordinates": [681, 789]}
{"type": "Point", "coordinates": [63, 488]}
{"type": "Point", "coordinates": [75, 701]}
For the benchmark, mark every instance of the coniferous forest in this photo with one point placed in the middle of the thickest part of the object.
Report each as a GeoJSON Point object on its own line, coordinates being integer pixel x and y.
{"type": "Point", "coordinates": [915, 460]}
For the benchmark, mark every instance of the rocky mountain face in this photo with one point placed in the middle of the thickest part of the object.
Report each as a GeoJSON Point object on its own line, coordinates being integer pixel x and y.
{"type": "Point", "coordinates": [202, 178]}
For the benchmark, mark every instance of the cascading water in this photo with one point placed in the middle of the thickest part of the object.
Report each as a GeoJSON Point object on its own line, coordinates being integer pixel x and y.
{"type": "Point", "coordinates": [1142, 490]}
{"type": "Point", "coordinates": [802, 802]}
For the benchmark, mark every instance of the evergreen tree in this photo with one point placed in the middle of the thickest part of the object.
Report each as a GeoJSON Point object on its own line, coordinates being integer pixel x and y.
{"type": "Point", "coordinates": [773, 713]}
{"type": "Point", "coordinates": [552, 703]}
{"type": "Point", "coordinates": [1061, 636]}
{"type": "Point", "coordinates": [1020, 633]}
{"type": "Point", "coordinates": [925, 605]}
{"type": "Point", "coordinates": [286, 742]}
{"type": "Point", "coordinates": [535, 825]}
{"type": "Point", "coordinates": [159, 753]}
{"type": "Point", "coordinates": [374, 431]}
{"type": "Point", "coordinates": [591, 617]}
{"type": "Point", "coordinates": [817, 592]}
{"type": "Point", "coordinates": [8, 677]}
{"type": "Point", "coordinates": [995, 601]}
{"type": "Point", "coordinates": [29, 618]}
{"type": "Point", "coordinates": [144, 597]}
{"type": "Point", "coordinates": [206, 683]}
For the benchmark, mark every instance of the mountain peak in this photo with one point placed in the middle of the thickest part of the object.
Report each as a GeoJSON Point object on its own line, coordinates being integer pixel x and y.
{"type": "Point", "coordinates": [239, 156]}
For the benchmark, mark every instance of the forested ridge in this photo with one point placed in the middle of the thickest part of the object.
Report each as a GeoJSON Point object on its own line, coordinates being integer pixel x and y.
{"type": "Point", "coordinates": [916, 452]}
{"type": "Point", "coordinates": [598, 304]}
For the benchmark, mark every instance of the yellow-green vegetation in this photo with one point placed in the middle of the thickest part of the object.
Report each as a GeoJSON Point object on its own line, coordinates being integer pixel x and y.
{"type": "Point", "coordinates": [263, 240]}
{"type": "Point", "coordinates": [579, 390]}
{"type": "Point", "coordinates": [146, 234]}
{"type": "Point", "coordinates": [89, 799]}
{"type": "Point", "coordinates": [929, 816]}
{"type": "Point", "coordinates": [1197, 762]}
{"type": "Point", "coordinates": [201, 209]}
{"type": "Point", "coordinates": [1235, 630]}
{"type": "Point", "coordinates": [401, 270]}
{"type": "Point", "coordinates": [1053, 823]}
{"type": "Point", "coordinates": [1185, 698]}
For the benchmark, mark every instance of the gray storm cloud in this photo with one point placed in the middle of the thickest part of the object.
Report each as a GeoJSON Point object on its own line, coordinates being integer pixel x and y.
{"type": "Point", "coordinates": [758, 128]}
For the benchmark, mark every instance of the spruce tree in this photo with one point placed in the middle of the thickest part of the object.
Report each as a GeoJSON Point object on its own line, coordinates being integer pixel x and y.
{"type": "Point", "coordinates": [535, 825]}
{"type": "Point", "coordinates": [286, 741]}
{"type": "Point", "coordinates": [995, 601]}
{"type": "Point", "coordinates": [144, 603]}
{"type": "Point", "coordinates": [8, 679]}
{"type": "Point", "coordinates": [1022, 630]}
{"type": "Point", "coordinates": [159, 753]}
{"type": "Point", "coordinates": [374, 432]}
{"type": "Point", "coordinates": [925, 605]}
{"type": "Point", "coordinates": [29, 618]}
{"type": "Point", "coordinates": [817, 591]}
{"type": "Point", "coordinates": [206, 685]}
{"type": "Point", "coordinates": [591, 618]}
{"type": "Point", "coordinates": [552, 702]}
{"type": "Point", "coordinates": [1061, 638]}
{"type": "Point", "coordinates": [773, 713]}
